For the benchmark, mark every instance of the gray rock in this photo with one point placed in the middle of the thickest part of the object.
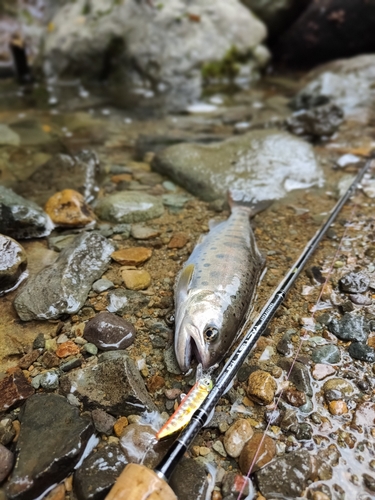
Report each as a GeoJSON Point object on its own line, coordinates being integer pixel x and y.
{"type": "Point", "coordinates": [21, 218]}
{"type": "Point", "coordinates": [362, 351]}
{"type": "Point", "coordinates": [8, 137]}
{"type": "Point", "coordinates": [287, 475]}
{"type": "Point", "coordinates": [6, 462]}
{"type": "Point", "coordinates": [52, 439]}
{"type": "Point", "coordinates": [321, 121]}
{"type": "Point", "coordinates": [328, 354]}
{"type": "Point", "coordinates": [142, 232]}
{"type": "Point", "coordinates": [126, 206]}
{"type": "Point", "coordinates": [63, 172]}
{"type": "Point", "coordinates": [13, 261]}
{"type": "Point", "coordinates": [7, 431]}
{"type": "Point", "coordinates": [109, 332]}
{"type": "Point", "coordinates": [90, 349]}
{"type": "Point", "coordinates": [103, 422]}
{"type": "Point", "coordinates": [299, 375]}
{"type": "Point", "coordinates": [49, 380]}
{"type": "Point", "coordinates": [102, 285]}
{"type": "Point", "coordinates": [171, 362]}
{"type": "Point", "coordinates": [63, 286]}
{"type": "Point", "coordinates": [98, 472]}
{"type": "Point", "coordinates": [189, 480]}
{"type": "Point", "coordinates": [123, 301]}
{"type": "Point", "coordinates": [175, 202]}
{"type": "Point", "coordinates": [39, 341]}
{"type": "Point", "coordinates": [58, 243]}
{"type": "Point", "coordinates": [350, 327]}
{"type": "Point", "coordinates": [354, 282]}
{"type": "Point", "coordinates": [348, 83]}
{"type": "Point", "coordinates": [232, 484]}
{"type": "Point", "coordinates": [162, 47]}
{"type": "Point", "coordinates": [257, 163]}
{"type": "Point", "coordinates": [285, 345]}
{"type": "Point", "coordinates": [114, 385]}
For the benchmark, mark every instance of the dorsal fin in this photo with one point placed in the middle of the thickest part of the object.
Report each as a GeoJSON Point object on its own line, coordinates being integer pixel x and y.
{"type": "Point", "coordinates": [183, 282]}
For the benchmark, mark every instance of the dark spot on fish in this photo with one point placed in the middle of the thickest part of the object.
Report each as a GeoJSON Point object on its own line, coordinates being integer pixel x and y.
{"type": "Point", "coordinates": [220, 256]}
{"type": "Point", "coordinates": [215, 274]}
{"type": "Point", "coordinates": [205, 283]}
{"type": "Point", "coordinates": [206, 265]}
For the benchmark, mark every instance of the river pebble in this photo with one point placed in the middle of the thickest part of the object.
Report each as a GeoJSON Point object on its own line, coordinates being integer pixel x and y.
{"type": "Point", "coordinates": [233, 483]}
{"type": "Point", "coordinates": [66, 349]}
{"type": "Point", "coordinates": [22, 218]}
{"type": "Point", "coordinates": [49, 380]}
{"type": "Point", "coordinates": [265, 452]}
{"type": "Point", "coordinates": [365, 414]}
{"type": "Point", "coordinates": [261, 387]}
{"type": "Point", "coordinates": [321, 371]}
{"type": "Point", "coordinates": [44, 454]}
{"type": "Point", "coordinates": [294, 397]}
{"type": "Point", "coordinates": [7, 432]}
{"type": "Point", "coordinates": [109, 332]}
{"type": "Point", "coordinates": [362, 351]}
{"type": "Point", "coordinates": [354, 282]}
{"type": "Point", "coordinates": [189, 480]}
{"type": "Point", "coordinates": [236, 437]}
{"type": "Point", "coordinates": [178, 240]}
{"type": "Point", "coordinates": [102, 285]}
{"type": "Point", "coordinates": [129, 207]}
{"type": "Point", "coordinates": [6, 462]}
{"type": "Point", "coordinates": [299, 375]}
{"type": "Point", "coordinates": [13, 262]}
{"type": "Point", "coordinates": [49, 359]}
{"type": "Point", "coordinates": [136, 279]}
{"type": "Point", "coordinates": [98, 472]}
{"type": "Point", "coordinates": [142, 232]}
{"type": "Point", "coordinates": [14, 389]}
{"type": "Point", "coordinates": [134, 256]}
{"type": "Point", "coordinates": [338, 407]}
{"type": "Point", "coordinates": [351, 326]}
{"type": "Point", "coordinates": [68, 208]}
{"type": "Point", "coordinates": [139, 444]}
{"type": "Point", "coordinates": [103, 421]}
{"type": "Point", "coordinates": [327, 354]}
{"type": "Point", "coordinates": [338, 384]}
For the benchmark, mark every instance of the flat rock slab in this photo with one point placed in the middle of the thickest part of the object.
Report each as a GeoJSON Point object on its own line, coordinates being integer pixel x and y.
{"type": "Point", "coordinates": [62, 287]}
{"type": "Point", "coordinates": [128, 207]}
{"type": "Point", "coordinates": [98, 472]}
{"type": "Point", "coordinates": [53, 437]}
{"type": "Point", "coordinates": [264, 164]}
{"type": "Point", "coordinates": [63, 172]}
{"type": "Point", "coordinates": [114, 385]}
{"type": "Point", "coordinates": [21, 218]}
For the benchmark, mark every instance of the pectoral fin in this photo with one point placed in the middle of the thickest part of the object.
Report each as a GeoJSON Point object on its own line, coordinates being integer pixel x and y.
{"type": "Point", "coordinates": [183, 283]}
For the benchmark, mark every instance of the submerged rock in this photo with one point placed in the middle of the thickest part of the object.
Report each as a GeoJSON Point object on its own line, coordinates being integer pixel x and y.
{"type": "Point", "coordinates": [128, 207]}
{"type": "Point", "coordinates": [286, 476]}
{"type": "Point", "coordinates": [21, 218]}
{"type": "Point", "coordinates": [8, 137]}
{"type": "Point", "coordinates": [321, 121]}
{"type": "Point", "coordinates": [114, 385]}
{"type": "Point", "coordinates": [109, 332]}
{"type": "Point", "coordinates": [68, 208]}
{"type": "Point", "coordinates": [326, 354]}
{"type": "Point", "coordinates": [98, 472]}
{"type": "Point", "coordinates": [189, 480]}
{"type": "Point", "coordinates": [63, 286]}
{"type": "Point", "coordinates": [261, 446]}
{"type": "Point", "coordinates": [348, 83]}
{"type": "Point", "coordinates": [13, 262]}
{"type": "Point", "coordinates": [159, 46]}
{"type": "Point", "coordinates": [63, 172]}
{"type": "Point", "coordinates": [299, 375]}
{"type": "Point", "coordinates": [350, 327]}
{"type": "Point", "coordinates": [258, 163]}
{"type": "Point", "coordinates": [140, 445]}
{"type": "Point", "coordinates": [362, 351]}
{"type": "Point", "coordinates": [53, 437]}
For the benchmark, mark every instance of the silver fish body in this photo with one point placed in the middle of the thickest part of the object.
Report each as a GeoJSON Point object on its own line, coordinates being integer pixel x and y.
{"type": "Point", "coordinates": [214, 290]}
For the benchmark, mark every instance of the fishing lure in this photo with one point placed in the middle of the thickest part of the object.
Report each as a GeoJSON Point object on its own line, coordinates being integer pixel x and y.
{"type": "Point", "coordinates": [190, 403]}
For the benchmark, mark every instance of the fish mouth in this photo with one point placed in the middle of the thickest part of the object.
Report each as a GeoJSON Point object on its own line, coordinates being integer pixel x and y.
{"type": "Point", "coordinates": [189, 343]}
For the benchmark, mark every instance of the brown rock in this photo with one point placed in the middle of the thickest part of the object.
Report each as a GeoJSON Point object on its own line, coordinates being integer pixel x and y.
{"type": "Point", "coordinates": [261, 387]}
{"type": "Point", "coordinates": [6, 462]}
{"type": "Point", "coordinates": [49, 359]}
{"type": "Point", "coordinates": [321, 371]}
{"type": "Point", "coordinates": [319, 495]}
{"type": "Point", "coordinates": [236, 437]}
{"type": "Point", "coordinates": [136, 279]}
{"type": "Point", "coordinates": [103, 421]}
{"type": "Point", "coordinates": [58, 493]}
{"type": "Point", "coordinates": [155, 383]}
{"type": "Point", "coordinates": [121, 178]}
{"type": "Point", "coordinates": [66, 349]}
{"type": "Point", "coordinates": [178, 240]}
{"type": "Point", "coordinates": [294, 397]}
{"type": "Point", "coordinates": [14, 389]}
{"type": "Point", "coordinates": [365, 414]}
{"type": "Point", "coordinates": [371, 341]}
{"type": "Point", "coordinates": [337, 407]}
{"type": "Point", "coordinates": [120, 425]}
{"type": "Point", "coordinates": [264, 454]}
{"type": "Point", "coordinates": [28, 359]}
{"type": "Point", "coordinates": [134, 256]}
{"type": "Point", "coordinates": [17, 429]}
{"type": "Point", "coordinates": [68, 208]}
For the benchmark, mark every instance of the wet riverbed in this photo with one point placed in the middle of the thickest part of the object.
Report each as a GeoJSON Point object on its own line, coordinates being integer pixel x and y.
{"type": "Point", "coordinates": [329, 424]}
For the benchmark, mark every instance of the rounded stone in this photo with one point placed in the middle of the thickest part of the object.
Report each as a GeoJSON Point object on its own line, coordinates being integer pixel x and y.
{"type": "Point", "coordinates": [69, 208]}
{"type": "Point", "coordinates": [134, 256]}
{"type": "Point", "coordinates": [321, 371]}
{"type": "Point", "coordinates": [337, 407]}
{"type": "Point", "coordinates": [329, 354]}
{"type": "Point", "coordinates": [6, 462]}
{"type": "Point", "coordinates": [108, 332]}
{"type": "Point", "coordinates": [66, 349]}
{"type": "Point", "coordinates": [362, 351]}
{"type": "Point", "coordinates": [49, 380]}
{"type": "Point", "coordinates": [178, 240]}
{"type": "Point", "coordinates": [12, 263]}
{"type": "Point", "coordinates": [354, 282]}
{"type": "Point", "coordinates": [136, 279]}
{"type": "Point", "coordinates": [236, 437]}
{"type": "Point", "coordinates": [338, 384]}
{"type": "Point", "coordinates": [129, 207]}
{"type": "Point", "coordinates": [120, 425]}
{"type": "Point", "coordinates": [261, 387]}
{"type": "Point", "coordinates": [264, 452]}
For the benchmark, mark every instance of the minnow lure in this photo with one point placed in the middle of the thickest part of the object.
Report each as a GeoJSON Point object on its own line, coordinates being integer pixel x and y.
{"type": "Point", "coordinates": [190, 403]}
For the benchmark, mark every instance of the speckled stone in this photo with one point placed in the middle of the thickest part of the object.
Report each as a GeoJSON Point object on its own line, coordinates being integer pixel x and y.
{"type": "Point", "coordinates": [362, 351]}
{"type": "Point", "coordinates": [338, 407]}
{"type": "Point", "coordinates": [109, 331]}
{"type": "Point", "coordinates": [265, 453]}
{"type": "Point", "coordinates": [14, 389]}
{"type": "Point", "coordinates": [261, 387]}
{"type": "Point", "coordinates": [354, 282]}
{"type": "Point", "coordinates": [129, 207]}
{"type": "Point", "coordinates": [328, 354]}
{"type": "Point", "coordinates": [68, 208]}
{"type": "Point", "coordinates": [321, 371]}
{"type": "Point", "coordinates": [351, 327]}
{"type": "Point", "coordinates": [338, 384]}
{"type": "Point", "coordinates": [13, 261]}
{"type": "Point", "coordinates": [49, 380]}
{"type": "Point", "coordinates": [236, 437]}
{"type": "Point", "coordinates": [6, 462]}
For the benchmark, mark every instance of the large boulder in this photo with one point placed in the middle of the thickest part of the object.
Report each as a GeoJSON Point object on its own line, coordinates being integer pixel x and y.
{"type": "Point", "coordinates": [162, 46]}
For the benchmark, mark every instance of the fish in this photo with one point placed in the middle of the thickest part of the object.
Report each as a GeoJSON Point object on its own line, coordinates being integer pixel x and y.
{"type": "Point", "coordinates": [189, 404]}
{"type": "Point", "coordinates": [216, 286]}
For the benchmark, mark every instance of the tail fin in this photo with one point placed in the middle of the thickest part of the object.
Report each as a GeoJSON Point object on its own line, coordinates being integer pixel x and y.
{"type": "Point", "coordinates": [238, 198]}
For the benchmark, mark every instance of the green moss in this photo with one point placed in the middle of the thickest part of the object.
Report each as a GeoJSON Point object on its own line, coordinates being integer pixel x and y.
{"type": "Point", "coordinates": [227, 67]}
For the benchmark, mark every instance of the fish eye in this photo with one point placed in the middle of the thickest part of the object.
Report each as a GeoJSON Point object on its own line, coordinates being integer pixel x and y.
{"type": "Point", "coordinates": [211, 334]}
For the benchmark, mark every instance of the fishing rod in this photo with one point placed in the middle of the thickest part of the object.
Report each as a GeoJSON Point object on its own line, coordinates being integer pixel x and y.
{"type": "Point", "coordinates": [137, 482]}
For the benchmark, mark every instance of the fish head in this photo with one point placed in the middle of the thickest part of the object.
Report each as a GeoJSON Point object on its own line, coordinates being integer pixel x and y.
{"type": "Point", "coordinates": [201, 330]}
